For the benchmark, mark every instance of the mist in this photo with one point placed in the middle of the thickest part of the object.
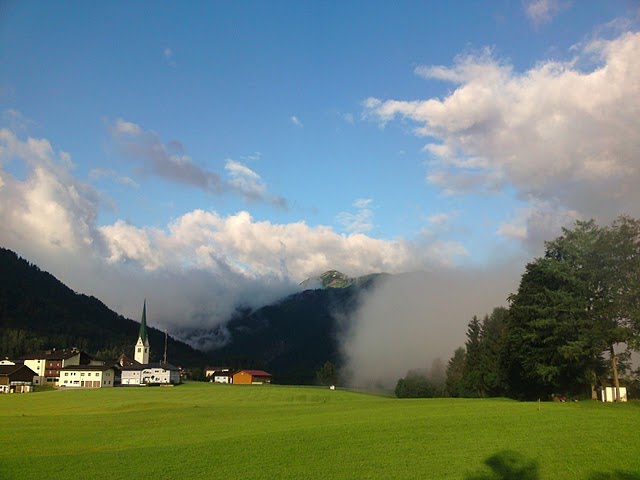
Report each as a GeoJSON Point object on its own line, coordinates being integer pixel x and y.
{"type": "Point", "coordinates": [409, 321]}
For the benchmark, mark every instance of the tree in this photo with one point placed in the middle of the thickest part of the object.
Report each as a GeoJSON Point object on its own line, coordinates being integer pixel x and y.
{"type": "Point", "coordinates": [607, 260]}
{"type": "Point", "coordinates": [415, 385]}
{"type": "Point", "coordinates": [455, 372]}
{"type": "Point", "coordinates": [492, 336]}
{"type": "Point", "coordinates": [472, 374]}
{"type": "Point", "coordinates": [545, 349]}
{"type": "Point", "coordinates": [579, 301]}
{"type": "Point", "coordinates": [327, 375]}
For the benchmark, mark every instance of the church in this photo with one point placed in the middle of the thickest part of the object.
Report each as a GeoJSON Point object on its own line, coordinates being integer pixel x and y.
{"type": "Point", "coordinates": [141, 372]}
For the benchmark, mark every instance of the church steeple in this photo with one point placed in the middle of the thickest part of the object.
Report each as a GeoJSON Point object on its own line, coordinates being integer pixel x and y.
{"type": "Point", "coordinates": [143, 323]}
{"type": "Point", "coordinates": [141, 354]}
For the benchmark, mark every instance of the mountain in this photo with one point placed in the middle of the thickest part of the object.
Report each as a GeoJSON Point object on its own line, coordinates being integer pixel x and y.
{"type": "Point", "coordinates": [294, 337]}
{"type": "Point", "coordinates": [39, 312]}
{"type": "Point", "coordinates": [336, 279]}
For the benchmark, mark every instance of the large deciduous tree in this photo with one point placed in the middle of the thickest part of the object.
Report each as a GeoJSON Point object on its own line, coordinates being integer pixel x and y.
{"type": "Point", "coordinates": [578, 302]}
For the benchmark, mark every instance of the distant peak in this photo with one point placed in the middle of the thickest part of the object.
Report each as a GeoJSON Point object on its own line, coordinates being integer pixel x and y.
{"type": "Point", "coordinates": [328, 279]}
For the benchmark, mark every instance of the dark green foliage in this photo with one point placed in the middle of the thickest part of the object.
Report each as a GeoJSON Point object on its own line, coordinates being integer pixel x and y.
{"type": "Point", "coordinates": [415, 385]}
{"type": "Point", "coordinates": [483, 374]}
{"type": "Point", "coordinates": [472, 374]}
{"type": "Point", "coordinates": [327, 375]}
{"type": "Point", "coordinates": [38, 312]}
{"type": "Point", "coordinates": [548, 349]}
{"type": "Point", "coordinates": [581, 300]}
{"type": "Point", "coordinates": [455, 373]}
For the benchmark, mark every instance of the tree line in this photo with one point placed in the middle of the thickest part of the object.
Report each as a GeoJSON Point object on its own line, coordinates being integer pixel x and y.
{"type": "Point", "coordinates": [568, 330]}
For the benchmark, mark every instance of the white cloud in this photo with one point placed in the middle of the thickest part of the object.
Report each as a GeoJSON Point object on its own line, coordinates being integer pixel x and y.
{"type": "Point", "coordinates": [50, 208]}
{"type": "Point", "coordinates": [359, 222]}
{"type": "Point", "coordinates": [100, 173]}
{"type": "Point", "coordinates": [543, 11]}
{"type": "Point", "coordinates": [167, 54]}
{"type": "Point", "coordinates": [165, 160]}
{"type": "Point", "coordinates": [564, 136]}
{"type": "Point", "coordinates": [249, 184]}
{"type": "Point", "coordinates": [169, 161]}
{"type": "Point", "coordinates": [196, 269]}
{"type": "Point", "coordinates": [439, 219]}
{"type": "Point", "coordinates": [296, 121]}
{"type": "Point", "coordinates": [16, 120]}
{"type": "Point", "coordinates": [122, 127]}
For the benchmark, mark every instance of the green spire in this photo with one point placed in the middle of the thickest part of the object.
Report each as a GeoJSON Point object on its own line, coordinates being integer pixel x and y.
{"type": "Point", "coordinates": [143, 323]}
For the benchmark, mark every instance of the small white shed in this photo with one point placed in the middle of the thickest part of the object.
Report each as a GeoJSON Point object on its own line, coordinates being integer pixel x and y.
{"type": "Point", "coordinates": [608, 394]}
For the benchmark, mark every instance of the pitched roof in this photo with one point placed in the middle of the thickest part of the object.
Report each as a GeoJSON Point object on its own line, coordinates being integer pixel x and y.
{"type": "Point", "coordinates": [36, 356]}
{"type": "Point", "coordinates": [7, 370]}
{"type": "Point", "coordinates": [256, 373]}
{"type": "Point", "coordinates": [91, 368]}
{"type": "Point", "coordinates": [145, 366]}
{"type": "Point", "coordinates": [143, 323]}
{"type": "Point", "coordinates": [63, 354]}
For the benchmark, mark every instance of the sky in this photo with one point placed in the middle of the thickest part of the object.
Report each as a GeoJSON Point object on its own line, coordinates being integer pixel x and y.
{"type": "Point", "coordinates": [203, 155]}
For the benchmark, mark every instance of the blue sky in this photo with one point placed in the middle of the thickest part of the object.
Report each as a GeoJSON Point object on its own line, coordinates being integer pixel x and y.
{"type": "Point", "coordinates": [270, 141]}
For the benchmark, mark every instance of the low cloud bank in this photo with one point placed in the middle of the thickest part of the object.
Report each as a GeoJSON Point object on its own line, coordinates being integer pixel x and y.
{"type": "Point", "coordinates": [411, 320]}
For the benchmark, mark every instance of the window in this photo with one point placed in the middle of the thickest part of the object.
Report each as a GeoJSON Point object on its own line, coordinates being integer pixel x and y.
{"type": "Point", "coordinates": [139, 350]}
{"type": "Point", "coordinates": [66, 374]}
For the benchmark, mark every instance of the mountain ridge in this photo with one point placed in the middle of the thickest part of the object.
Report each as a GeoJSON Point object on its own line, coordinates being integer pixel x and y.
{"type": "Point", "coordinates": [39, 312]}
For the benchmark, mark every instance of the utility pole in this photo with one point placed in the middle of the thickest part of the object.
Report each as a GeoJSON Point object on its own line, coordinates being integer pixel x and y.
{"type": "Point", "coordinates": [165, 347]}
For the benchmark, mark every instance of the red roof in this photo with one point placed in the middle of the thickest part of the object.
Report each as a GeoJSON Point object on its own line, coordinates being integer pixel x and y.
{"type": "Point", "coordinates": [257, 373]}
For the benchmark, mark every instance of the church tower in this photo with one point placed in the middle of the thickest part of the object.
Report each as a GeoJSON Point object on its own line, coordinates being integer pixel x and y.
{"type": "Point", "coordinates": [141, 354]}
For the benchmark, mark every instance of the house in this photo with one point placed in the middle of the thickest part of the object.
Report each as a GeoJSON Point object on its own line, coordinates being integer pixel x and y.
{"type": "Point", "coordinates": [6, 361]}
{"type": "Point", "coordinates": [87, 376]}
{"type": "Point", "coordinates": [222, 376]}
{"type": "Point", "coordinates": [150, 374]}
{"type": "Point", "coordinates": [209, 371]}
{"type": "Point", "coordinates": [251, 377]}
{"type": "Point", "coordinates": [16, 378]}
{"type": "Point", "coordinates": [60, 359]}
{"type": "Point", "coordinates": [37, 362]}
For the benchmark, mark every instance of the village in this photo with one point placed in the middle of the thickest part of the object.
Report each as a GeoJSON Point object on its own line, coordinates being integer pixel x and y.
{"type": "Point", "coordinates": [73, 368]}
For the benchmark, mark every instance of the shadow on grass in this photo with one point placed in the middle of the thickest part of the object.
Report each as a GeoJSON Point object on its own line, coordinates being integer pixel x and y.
{"type": "Point", "coordinates": [510, 465]}
{"type": "Point", "coordinates": [617, 475]}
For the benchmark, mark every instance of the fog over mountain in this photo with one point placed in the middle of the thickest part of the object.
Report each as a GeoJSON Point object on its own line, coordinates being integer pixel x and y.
{"type": "Point", "coordinates": [408, 321]}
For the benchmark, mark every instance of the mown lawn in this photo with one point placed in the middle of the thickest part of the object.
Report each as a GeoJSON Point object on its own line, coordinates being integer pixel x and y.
{"type": "Point", "coordinates": [204, 431]}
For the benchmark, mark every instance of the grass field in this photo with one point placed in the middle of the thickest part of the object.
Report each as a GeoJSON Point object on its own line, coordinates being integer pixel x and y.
{"type": "Point", "coordinates": [204, 431]}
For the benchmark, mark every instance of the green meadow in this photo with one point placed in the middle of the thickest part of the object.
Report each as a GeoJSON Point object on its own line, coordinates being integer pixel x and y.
{"type": "Point", "coordinates": [205, 431]}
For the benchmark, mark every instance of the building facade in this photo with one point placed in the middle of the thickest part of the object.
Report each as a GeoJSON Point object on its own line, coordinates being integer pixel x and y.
{"type": "Point", "coordinates": [251, 377]}
{"type": "Point", "coordinates": [150, 374]}
{"type": "Point", "coordinates": [87, 376]}
{"type": "Point", "coordinates": [16, 378]}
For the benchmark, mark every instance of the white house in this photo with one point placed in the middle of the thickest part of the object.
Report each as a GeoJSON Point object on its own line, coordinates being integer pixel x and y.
{"type": "Point", "coordinates": [150, 374]}
{"type": "Point", "coordinates": [37, 363]}
{"type": "Point", "coordinates": [224, 376]}
{"type": "Point", "coordinates": [87, 376]}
